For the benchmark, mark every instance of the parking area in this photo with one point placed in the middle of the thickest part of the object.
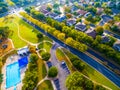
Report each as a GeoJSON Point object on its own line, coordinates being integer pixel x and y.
{"type": "Point", "coordinates": [65, 67]}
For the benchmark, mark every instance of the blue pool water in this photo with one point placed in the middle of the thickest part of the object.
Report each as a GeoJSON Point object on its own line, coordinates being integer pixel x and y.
{"type": "Point", "coordinates": [13, 75]}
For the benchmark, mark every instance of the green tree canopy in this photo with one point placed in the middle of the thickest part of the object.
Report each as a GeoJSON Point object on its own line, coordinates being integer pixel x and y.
{"type": "Point", "coordinates": [99, 30]}
{"type": "Point", "coordinates": [46, 56]}
{"type": "Point", "coordinates": [52, 72]}
{"type": "Point", "coordinates": [33, 58]}
{"type": "Point", "coordinates": [74, 81]}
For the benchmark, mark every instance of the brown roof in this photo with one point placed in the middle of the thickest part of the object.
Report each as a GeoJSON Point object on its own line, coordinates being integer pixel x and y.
{"type": "Point", "coordinates": [91, 33]}
{"type": "Point", "coordinates": [118, 24]}
{"type": "Point", "coordinates": [82, 12]}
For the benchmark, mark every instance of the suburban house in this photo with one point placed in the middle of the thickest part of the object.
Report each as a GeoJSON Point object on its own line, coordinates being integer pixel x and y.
{"type": "Point", "coordinates": [106, 18]}
{"type": "Point", "coordinates": [91, 32]}
{"type": "Point", "coordinates": [100, 10]}
{"type": "Point", "coordinates": [116, 45]}
{"type": "Point", "coordinates": [45, 12]}
{"type": "Point", "coordinates": [111, 4]}
{"type": "Point", "coordinates": [60, 18]}
{"type": "Point", "coordinates": [80, 3]}
{"type": "Point", "coordinates": [115, 11]}
{"type": "Point", "coordinates": [105, 39]}
{"type": "Point", "coordinates": [81, 12]}
{"type": "Point", "coordinates": [74, 8]}
{"type": "Point", "coordinates": [80, 26]}
{"type": "Point", "coordinates": [91, 3]}
{"type": "Point", "coordinates": [53, 15]}
{"type": "Point", "coordinates": [101, 23]}
{"type": "Point", "coordinates": [87, 14]}
{"type": "Point", "coordinates": [117, 4]}
{"type": "Point", "coordinates": [62, 2]}
{"type": "Point", "coordinates": [71, 21]}
{"type": "Point", "coordinates": [118, 24]}
{"type": "Point", "coordinates": [43, 7]}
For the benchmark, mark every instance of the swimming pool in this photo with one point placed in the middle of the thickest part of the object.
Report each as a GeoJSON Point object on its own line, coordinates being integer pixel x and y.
{"type": "Point", "coordinates": [12, 75]}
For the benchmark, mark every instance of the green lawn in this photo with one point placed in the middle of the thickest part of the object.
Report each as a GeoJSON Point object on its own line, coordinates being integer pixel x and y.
{"type": "Point", "coordinates": [45, 45]}
{"type": "Point", "coordinates": [26, 31]}
{"type": "Point", "coordinates": [61, 57]}
{"type": "Point", "coordinates": [95, 75]}
{"type": "Point", "coordinates": [98, 77]}
{"type": "Point", "coordinates": [18, 43]}
{"type": "Point", "coordinates": [42, 72]}
{"type": "Point", "coordinates": [46, 85]}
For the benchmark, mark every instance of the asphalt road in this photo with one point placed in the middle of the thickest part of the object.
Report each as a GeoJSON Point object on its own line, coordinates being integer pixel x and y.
{"type": "Point", "coordinates": [96, 65]}
{"type": "Point", "coordinates": [103, 59]}
{"type": "Point", "coordinates": [113, 34]}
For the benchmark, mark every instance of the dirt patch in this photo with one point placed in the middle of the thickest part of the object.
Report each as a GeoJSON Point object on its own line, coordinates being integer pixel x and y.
{"type": "Point", "coordinates": [5, 46]}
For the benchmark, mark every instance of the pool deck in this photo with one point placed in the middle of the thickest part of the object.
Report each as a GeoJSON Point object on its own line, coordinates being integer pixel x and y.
{"type": "Point", "coordinates": [11, 59]}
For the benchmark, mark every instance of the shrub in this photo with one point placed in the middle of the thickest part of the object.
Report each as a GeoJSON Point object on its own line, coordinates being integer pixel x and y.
{"type": "Point", "coordinates": [45, 56]}
{"type": "Point", "coordinates": [52, 72]}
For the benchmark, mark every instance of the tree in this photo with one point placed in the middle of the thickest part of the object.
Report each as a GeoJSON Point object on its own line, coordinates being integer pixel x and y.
{"type": "Point", "coordinates": [32, 49]}
{"type": "Point", "coordinates": [108, 11]}
{"type": "Point", "coordinates": [33, 58]}
{"type": "Point", "coordinates": [61, 36]}
{"type": "Point", "coordinates": [67, 9]}
{"type": "Point", "coordinates": [55, 6]}
{"type": "Point", "coordinates": [28, 9]}
{"type": "Point", "coordinates": [74, 81]}
{"type": "Point", "coordinates": [1, 63]}
{"type": "Point", "coordinates": [89, 85]}
{"type": "Point", "coordinates": [39, 36]}
{"type": "Point", "coordinates": [30, 80]}
{"type": "Point", "coordinates": [1, 78]}
{"type": "Point", "coordinates": [99, 87]}
{"type": "Point", "coordinates": [89, 18]}
{"type": "Point", "coordinates": [118, 5]}
{"type": "Point", "coordinates": [52, 72]}
{"type": "Point", "coordinates": [3, 7]}
{"type": "Point", "coordinates": [80, 66]}
{"type": "Point", "coordinates": [92, 9]}
{"type": "Point", "coordinates": [69, 15]}
{"type": "Point", "coordinates": [49, 8]}
{"type": "Point", "coordinates": [4, 32]}
{"type": "Point", "coordinates": [56, 32]}
{"type": "Point", "coordinates": [114, 28]}
{"type": "Point", "coordinates": [106, 26]}
{"type": "Point", "coordinates": [99, 30]}
{"type": "Point", "coordinates": [69, 41]}
{"type": "Point", "coordinates": [45, 56]}
{"type": "Point", "coordinates": [97, 4]}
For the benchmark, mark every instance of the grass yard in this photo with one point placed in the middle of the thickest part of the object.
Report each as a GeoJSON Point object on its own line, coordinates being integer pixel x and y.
{"type": "Point", "coordinates": [95, 75]}
{"type": "Point", "coordinates": [61, 57]}
{"type": "Point", "coordinates": [98, 77]}
{"type": "Point", "coordinates": [26, 31]}
{"type": "Point", "coordinates": [46, 85]}
{"type": "Point", "coordinates": [16, 40]}
{"type": "Point", "coordinates": [45, 45]}
{"type": "Point", "coordinates": [42, 72]}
